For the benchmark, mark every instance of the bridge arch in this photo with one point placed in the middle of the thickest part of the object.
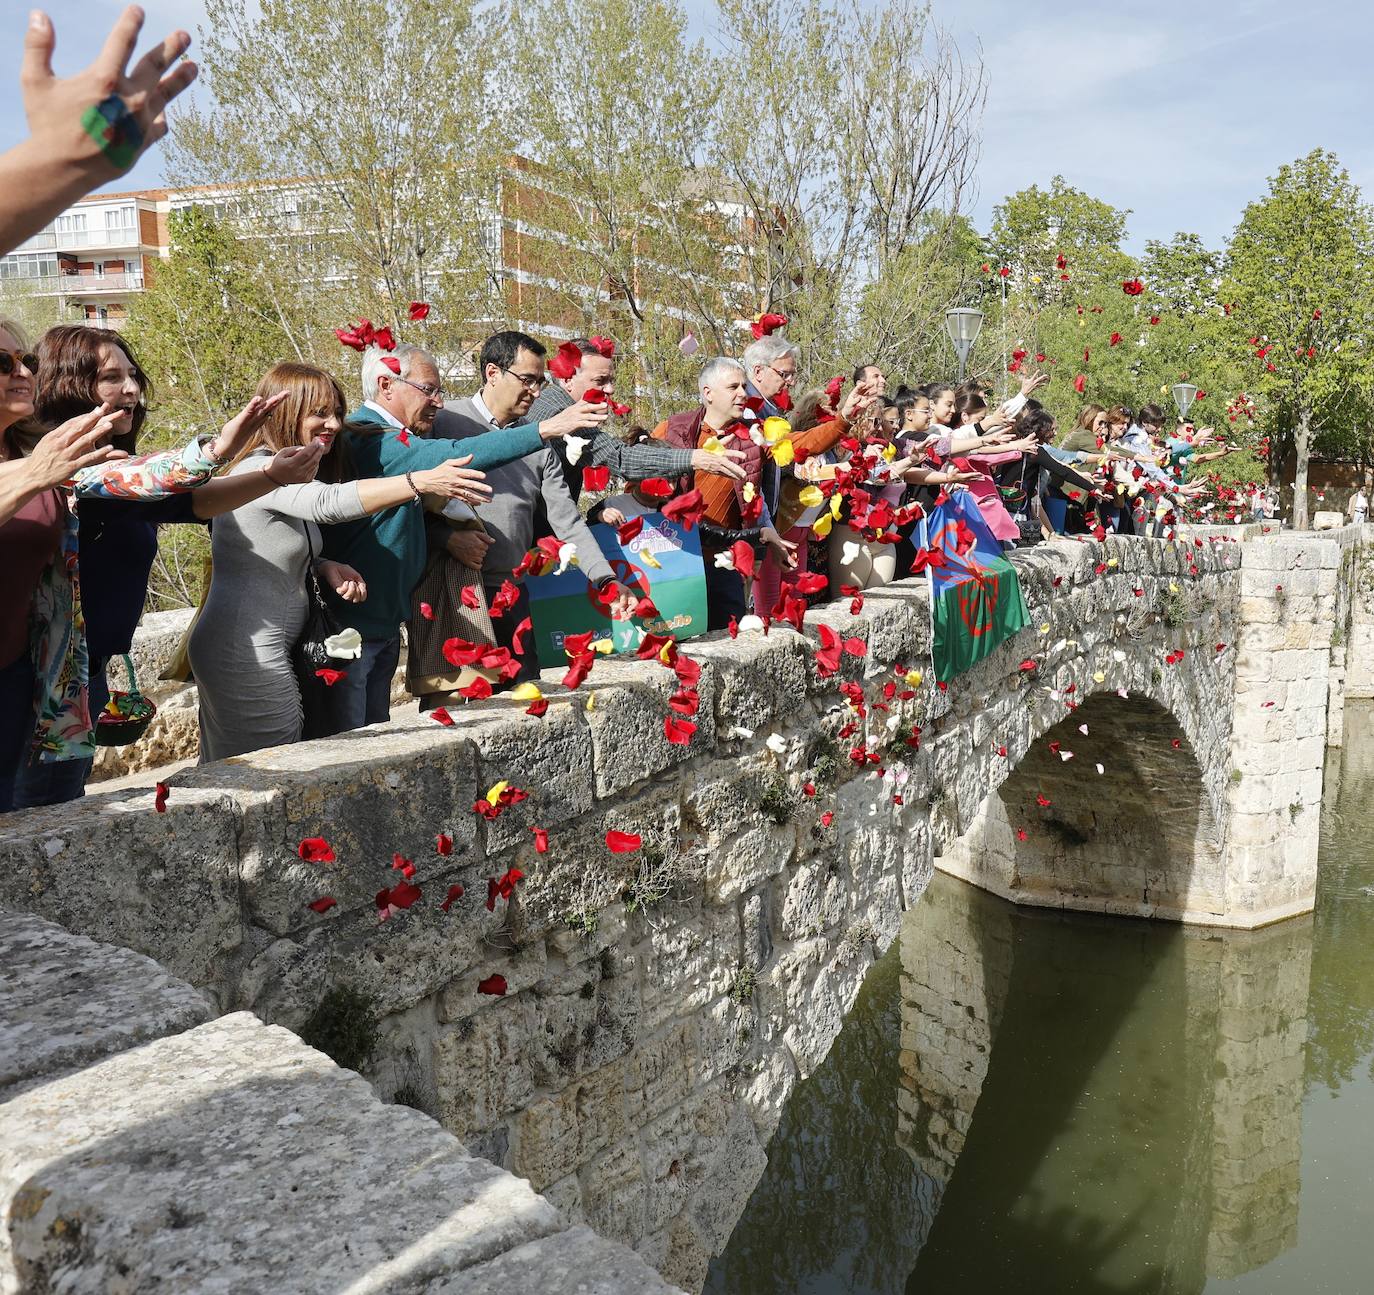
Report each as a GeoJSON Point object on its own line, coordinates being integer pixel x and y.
{"type": "Point", "coordinates": [1108, 809]}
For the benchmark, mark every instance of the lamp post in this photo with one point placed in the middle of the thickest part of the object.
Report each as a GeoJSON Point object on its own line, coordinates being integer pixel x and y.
{"type": "Point", "coordinates": [963, 324]}
{"type": "Point", "coordinates": [1184, 393]}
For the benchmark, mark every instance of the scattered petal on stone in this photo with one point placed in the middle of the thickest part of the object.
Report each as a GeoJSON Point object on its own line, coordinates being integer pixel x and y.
{"type": "Point", "coordinates": [323, 904]}
{"type": "Point", "coordinates": [160, 794]}
{"type": "Point", "coordinates": [492, 985]}
{"type": "Point", "coordinates": [622, 842]}
{"type": "Point", "coordinates": [455, 892]}
{"type": "Point", "coordinates": [315, 849]}
{"type": "Point", "coordinates": [777, 744]}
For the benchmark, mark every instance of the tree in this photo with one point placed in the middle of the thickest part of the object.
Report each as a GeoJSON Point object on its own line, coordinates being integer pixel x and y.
{"type": "Point", "coordinates": [624, 231]}
{"type": "Point", "coordinates": [366, 137]}
{"type": "Point", "coordinates": [1298, 278]}
{"type": "Point", "coordinates": [848, 135]}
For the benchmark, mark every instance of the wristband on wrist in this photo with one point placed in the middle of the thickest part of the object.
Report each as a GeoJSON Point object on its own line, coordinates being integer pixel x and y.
{"type": "Point", "coordinates": [267, 472]}
{"type": "Point", "coordinates": [415, 490]}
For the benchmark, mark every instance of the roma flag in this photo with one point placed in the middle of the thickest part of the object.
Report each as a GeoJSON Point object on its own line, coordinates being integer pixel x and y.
{"type": "Point", "coordinates": [975, 594]}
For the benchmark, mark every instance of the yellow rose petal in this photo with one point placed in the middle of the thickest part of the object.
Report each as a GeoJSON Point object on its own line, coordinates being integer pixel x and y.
{"type": "Point", "coordinates": [811, 496]}
{"type": "Point", "coordinates": [1112, 562]}
{"type": "Point", "coordinates": [913, 678]}
{"type": "Point", "coordinates": [1099, 677]}
{"type": "Point", "coordinates": [774, 429]}
{"type": "Point", "coordinates": [526, 692]}
{"type": "Point", "coordinates": [783, 453]}
{"type": "Point", "coordinates": [713, 445]}
{"type": "Point", "coordinates": [1044, 629]}
{"type": "Point", "coordinates": [649, 560]}
{"type": "Point", "coordinates": [494, 794]}
{"type": "Point", "coordinates": [820, 528]}
{"type": "Point", "coordinates": [591, 701]}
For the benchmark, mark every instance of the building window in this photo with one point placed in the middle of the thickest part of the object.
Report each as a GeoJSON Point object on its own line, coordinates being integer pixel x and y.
{"type": "Point", "coordinates": [72, 222]}
{"type": "Point", "coordinates": [119, 218]}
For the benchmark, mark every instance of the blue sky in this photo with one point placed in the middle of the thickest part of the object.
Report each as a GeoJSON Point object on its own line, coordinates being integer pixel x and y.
{"type": "Point", "coordinates": [1176, 110]}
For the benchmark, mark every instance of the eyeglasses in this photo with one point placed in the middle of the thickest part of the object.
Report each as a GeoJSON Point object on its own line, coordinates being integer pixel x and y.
{"type": "Point", "coordinates": [528, 381]}
{"type": "Point", "coordinates": [787, 379]}
{"type": "Point", "coordinates": [425, 389]}
{"type": "Point", "coordinates": [11, 360]}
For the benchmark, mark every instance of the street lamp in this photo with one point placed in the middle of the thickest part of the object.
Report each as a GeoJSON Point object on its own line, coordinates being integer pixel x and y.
{"type": "Point", "coordinates": [963, 324]}
{"type": "Point", "coordinates": [1184, 394]}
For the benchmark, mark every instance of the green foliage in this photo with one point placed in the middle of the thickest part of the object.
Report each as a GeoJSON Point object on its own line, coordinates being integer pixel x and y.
{"type": "Point", "coordinates": [1301, 280]}
{"type": "Point", "coordinates": [205, 329]}
{"type": "Point", "coordinates": [777, 801]}
{"type": "Point", "coordinates": [1174, 608]}
{"type": "Point", "coordinates": [742, 987]}
{"type": "Point", "coordinates": [344, 1027]}
{"type": "Point", "coordinates": [583, 921]}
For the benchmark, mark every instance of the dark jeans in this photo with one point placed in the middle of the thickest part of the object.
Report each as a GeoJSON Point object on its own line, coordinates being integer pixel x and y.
{"type": "Point", "coordinates": [363, 695]}
{"type": "Point", "coordinates": [54, 782]}
{"type": "Point", "coordinates": [724, 594]}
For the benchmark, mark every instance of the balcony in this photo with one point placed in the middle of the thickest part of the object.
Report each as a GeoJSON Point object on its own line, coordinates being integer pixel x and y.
{"type": "Point", "coordinates": [79, 239]}
{"type": "Point", "coordinates": [85, 285]}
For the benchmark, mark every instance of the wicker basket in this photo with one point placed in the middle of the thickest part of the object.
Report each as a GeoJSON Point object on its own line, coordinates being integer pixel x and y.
{"type": "Point", "coordinates": [126, 716]}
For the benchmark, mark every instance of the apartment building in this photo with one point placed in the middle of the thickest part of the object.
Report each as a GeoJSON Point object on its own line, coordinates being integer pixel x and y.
{"type": "Point", "coordinates": [104, 250]}
{"type": "Point", "coordinates": [93, 257]}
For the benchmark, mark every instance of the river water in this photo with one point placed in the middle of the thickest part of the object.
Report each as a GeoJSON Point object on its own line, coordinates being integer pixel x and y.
{"type": "Point", "coordinates": [1029, 1102]}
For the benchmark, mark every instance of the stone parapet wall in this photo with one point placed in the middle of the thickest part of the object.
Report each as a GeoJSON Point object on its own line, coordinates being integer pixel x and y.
{"type": "Point", "coordinates": [661, 1003]}
{"type": "Point", "coordinates": [145, 1146]}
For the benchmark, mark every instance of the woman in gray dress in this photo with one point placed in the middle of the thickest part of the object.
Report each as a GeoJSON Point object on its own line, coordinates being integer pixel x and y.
{"type": "Point", "coordinates": [255, 611]}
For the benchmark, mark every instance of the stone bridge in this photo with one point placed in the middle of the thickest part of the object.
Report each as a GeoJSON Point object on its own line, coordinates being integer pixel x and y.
{"type": "Point", "coordinates": [1151, 745]}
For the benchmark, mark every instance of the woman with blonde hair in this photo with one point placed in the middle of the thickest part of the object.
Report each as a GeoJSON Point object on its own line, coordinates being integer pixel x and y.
{"type": "Point", "coordinates": [255, 611]}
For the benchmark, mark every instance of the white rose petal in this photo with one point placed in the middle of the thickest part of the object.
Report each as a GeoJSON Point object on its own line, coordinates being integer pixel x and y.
{"type": "Point", "coordinates": [777, 744]}
{"type": "Point", "coordinates": [1083, 728]}
{"type": "Point", "coordinates": [574, 445]}
{"type": "Point", "coordinates": [1099, 769]}
{"type": "Point", "coordinates": [751, 623]}
{"type": "Point", "coordinates": [738, 732]}
{"type": "Point", "coordinates": [1066, 755]}
{"type": "Point", "coordinates": [725, 560]}
{"type": "Point", "coordinates": [567, 557]}
{"type": "Point", "coordinates": [347, 645]}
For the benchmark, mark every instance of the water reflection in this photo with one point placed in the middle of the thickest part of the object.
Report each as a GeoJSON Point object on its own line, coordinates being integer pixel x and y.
{"type": "Point", "coordinates": [1099, 1105]}
{"type": "Point", "coordinates": [1028, 1101]}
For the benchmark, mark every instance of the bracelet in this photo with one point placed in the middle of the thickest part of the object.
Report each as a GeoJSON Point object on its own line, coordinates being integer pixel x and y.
{"type": "Point", "coordinates": [268, 474]}
{"type": "Point", "coordinates": [415, 490]}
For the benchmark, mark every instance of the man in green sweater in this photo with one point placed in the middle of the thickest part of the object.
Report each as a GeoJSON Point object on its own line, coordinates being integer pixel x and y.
{"type": "Point", "coordinates": [389, 435]}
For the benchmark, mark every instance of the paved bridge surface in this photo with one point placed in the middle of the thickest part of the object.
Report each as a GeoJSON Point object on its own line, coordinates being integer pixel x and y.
{"type": "Point", "coordinates": [1160, 754]}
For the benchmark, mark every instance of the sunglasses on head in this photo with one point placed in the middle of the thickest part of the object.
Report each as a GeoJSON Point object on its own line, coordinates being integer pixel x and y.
{"type": "Point", "coordinates": [11, 360]}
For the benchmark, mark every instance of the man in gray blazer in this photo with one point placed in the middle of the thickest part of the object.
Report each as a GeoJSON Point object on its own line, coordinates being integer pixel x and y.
{"type": "Point", "coordinates": [596, 368]}
{"type": "Point", "coordinates": [512, 371]}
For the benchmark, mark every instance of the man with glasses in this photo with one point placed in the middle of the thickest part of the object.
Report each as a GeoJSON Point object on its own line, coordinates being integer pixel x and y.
{"type": "Point", "coordinates": [596, 369]}
{"type": "Point", "coordinates": [512, 369]}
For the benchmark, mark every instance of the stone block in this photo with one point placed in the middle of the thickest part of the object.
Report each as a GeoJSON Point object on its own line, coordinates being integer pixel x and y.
{"type": "Point", "coordinates": [575, 1262]}
{"type": "Point", "coordinates": [557, 1135]}
{"type": "Point", "coordinates": [758, 677]}
{"type": "Point", "coordinates": [66, 1002]}
{"type": "Point", "coordinates": [109, 867]}
{"type": "Point", "coordinates": [613, 1192]}
{"type": "Point", "coordinates": [626, 725]}
{"type": "Point", "coordinates": [234, 1157]}
{"type": "Point", "coordinates": [482, 1072]}
{"type": "Point", "coordinates": [551, 758]}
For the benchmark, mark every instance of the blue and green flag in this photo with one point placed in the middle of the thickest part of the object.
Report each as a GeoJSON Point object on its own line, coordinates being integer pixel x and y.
{"type": "Point", "coordinates": [975, 595]}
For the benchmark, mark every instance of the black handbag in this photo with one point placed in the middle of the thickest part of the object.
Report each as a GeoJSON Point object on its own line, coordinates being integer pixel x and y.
{"type": "Point", "coordinates": [309, 652]}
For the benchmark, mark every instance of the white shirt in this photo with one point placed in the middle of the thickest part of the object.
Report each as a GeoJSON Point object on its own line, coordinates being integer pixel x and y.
{"type": "Point", "coordinates": [483, 412]}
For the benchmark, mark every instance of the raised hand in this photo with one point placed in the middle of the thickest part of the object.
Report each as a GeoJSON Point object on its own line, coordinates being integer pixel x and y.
{"type": "Point", "coordinates": [78, 443]}
{"type": "Point", "coordinates": [296, 464]}
{"type": "Point", "coordinates": [103, 118]}
{"type": "Point", "coordinates": [724, 463]}
{"type": "Point", "coordinates": [235, 435]}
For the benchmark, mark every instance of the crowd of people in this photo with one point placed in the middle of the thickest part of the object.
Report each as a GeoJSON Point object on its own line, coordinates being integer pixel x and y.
{"type": "Point", "coordinates": [412, 513]}
{"type": "Point", "coordinates": [415, 511]}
